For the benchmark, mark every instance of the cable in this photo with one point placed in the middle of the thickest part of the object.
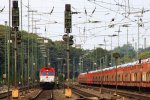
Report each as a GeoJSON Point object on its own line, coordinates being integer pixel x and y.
{"type": "Point", "coordinates": [117, 4]}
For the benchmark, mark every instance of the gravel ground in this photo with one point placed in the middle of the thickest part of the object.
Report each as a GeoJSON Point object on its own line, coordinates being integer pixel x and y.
{"type": "Point", "coordinates": [29, 94]}
{"type": "Point", "coordinates": [59, 95]}
{"type": "Point", "coordinates": [108, 96]}
{"type": "Point", "coordinates": [4, 89]}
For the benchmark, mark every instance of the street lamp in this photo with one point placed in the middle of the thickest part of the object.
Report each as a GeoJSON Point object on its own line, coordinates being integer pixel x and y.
{"type": "Point", "coordinates": [111, 38]}
{"type": "Point", "coordinates": [63, 65]}
{"type": "Point", "coordinates": [94, 66]}
{"type": "Point", "coordinates": [4, 73]}
{"type": "Point", "coordinates": [81, 64]}
{"type": "Point", "coordinates": [140, 24]}
{"type": "Point", "coordinates": [111, 46]}
{"type": "Point", "coordinates": [105, 42]}
{"type": "Point", "coordinates": [61, 59]}
{"type": "Point", "coordinates": [8, 51]}
{"type": "Point", "coordinates": [116, 56]}
{"type": "Point", "coordinates": [46, 42]}
{"type": "Point", "coordinates": [100, 54]}
{"type": "Point", "coordinates": [74, 59]}
{"type": "Point", "coordinates": [43, 50]}
{"type": "Point", "coordinates": [80, 67]}
{"type": "Point", "coordinates": [118, 34]}
{"type": "Point", "coordinates": [101, 78]}
{"type": "Point", "coordinates": [126, 25]}
{"type": "Point", "coordinates": [32, 57]}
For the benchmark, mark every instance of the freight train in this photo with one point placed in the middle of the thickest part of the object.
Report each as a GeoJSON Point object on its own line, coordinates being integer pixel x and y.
{"type": "Point", "coordinates": [47, 77]}
{"type": "Point", "coordinates": [133, 74]}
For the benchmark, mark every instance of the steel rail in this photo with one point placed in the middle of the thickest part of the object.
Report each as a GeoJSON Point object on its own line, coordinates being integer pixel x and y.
{"type": "Point", "coordinates": [43, 94]}
{"type": "Point", "coordinates": [84, 95]}
{"type": "Point", "coordinates": [124, 93]}
{"type": "Point", "coordinates": [5, 94]}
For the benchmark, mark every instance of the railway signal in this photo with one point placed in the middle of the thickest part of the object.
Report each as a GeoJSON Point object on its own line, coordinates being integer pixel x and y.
{"type": "Point", "coordinates": [71, 40]}
{"type": "Point", "coordinates": [68, 19]}
{"type": "Point", "coordinates": [65, 38]}
{"type": "Point", "coordinates": [16, 37]}
{"type": "Point", "coordinates": [68, 39]}
{"type": "Point", "coordinates": [116, 55]}
{"type": "Point", "coordinates": [15, 14]}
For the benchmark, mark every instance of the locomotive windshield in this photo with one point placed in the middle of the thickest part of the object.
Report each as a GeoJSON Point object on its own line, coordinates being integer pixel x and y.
{"type": "Point", "coordinates": [51, 74]}
{"type": "Point", "coordinates": [43, 73]}
{"type": "Point", "coordinates": [47, 73]}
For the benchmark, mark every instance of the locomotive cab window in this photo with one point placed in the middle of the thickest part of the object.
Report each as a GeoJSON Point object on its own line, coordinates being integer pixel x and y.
{"type": "Point", "coordinates": [43, 73]}
{"type": "Point", "coordinates": [50, 73]}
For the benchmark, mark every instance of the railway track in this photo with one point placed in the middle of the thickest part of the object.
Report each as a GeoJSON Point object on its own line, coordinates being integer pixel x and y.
{"type": "Point", "coordinates": [123, 93]}
{"type": "Point", "coordinates": [84, 95]}
{"type": "Point", "coordinates": [5, 95]}
{"type": "Point", "coordinates": [44, 95]}
{"type": "Point", "coordinates": [134, 95]}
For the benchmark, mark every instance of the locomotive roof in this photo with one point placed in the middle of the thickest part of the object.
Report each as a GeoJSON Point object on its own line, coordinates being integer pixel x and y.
{"type": "Point", "coordinates": [47, 68]}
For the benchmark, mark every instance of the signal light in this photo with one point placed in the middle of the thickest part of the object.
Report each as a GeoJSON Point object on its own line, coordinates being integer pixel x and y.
{"type": "Point", "coordinates": [13, 32]}
{"type": "Point", "coordinates": [65, 37]}
{"type": "Point", "coordinates": [116, 55]}
{"type": "Point", "coordinates": [15, 4]}
{"type": "Point", "coordinates": [68, 18]}
{"type": "Point", "coordinates": [71, 37]}
{"type": "Point", "coordinates": [67, 7]}
{"type": "Point", "coordinates": [15, 14]}
{"type": "Point", "coordinates": [18, 38]}
{"type": "Point", "coordinates": [16, 29]}
{"type": "Point", "coordinates": [71, 40]}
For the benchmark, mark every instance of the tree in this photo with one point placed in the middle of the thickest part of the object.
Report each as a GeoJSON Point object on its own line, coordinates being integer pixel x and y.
{"type": "Point", "coordinates": [144, 55]}
{"type": "Point", "coordinates": [127, 53]}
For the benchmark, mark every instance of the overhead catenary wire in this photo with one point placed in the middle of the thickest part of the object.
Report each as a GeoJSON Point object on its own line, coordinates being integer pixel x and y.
{"type": "Point", "coordinates": [116, 4]}
{"type": "Point", "coordinates": [118, 14]}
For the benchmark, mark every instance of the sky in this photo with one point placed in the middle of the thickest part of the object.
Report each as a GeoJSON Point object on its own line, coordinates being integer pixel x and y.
{"type": "Point", "coordinates": [95, 23]}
